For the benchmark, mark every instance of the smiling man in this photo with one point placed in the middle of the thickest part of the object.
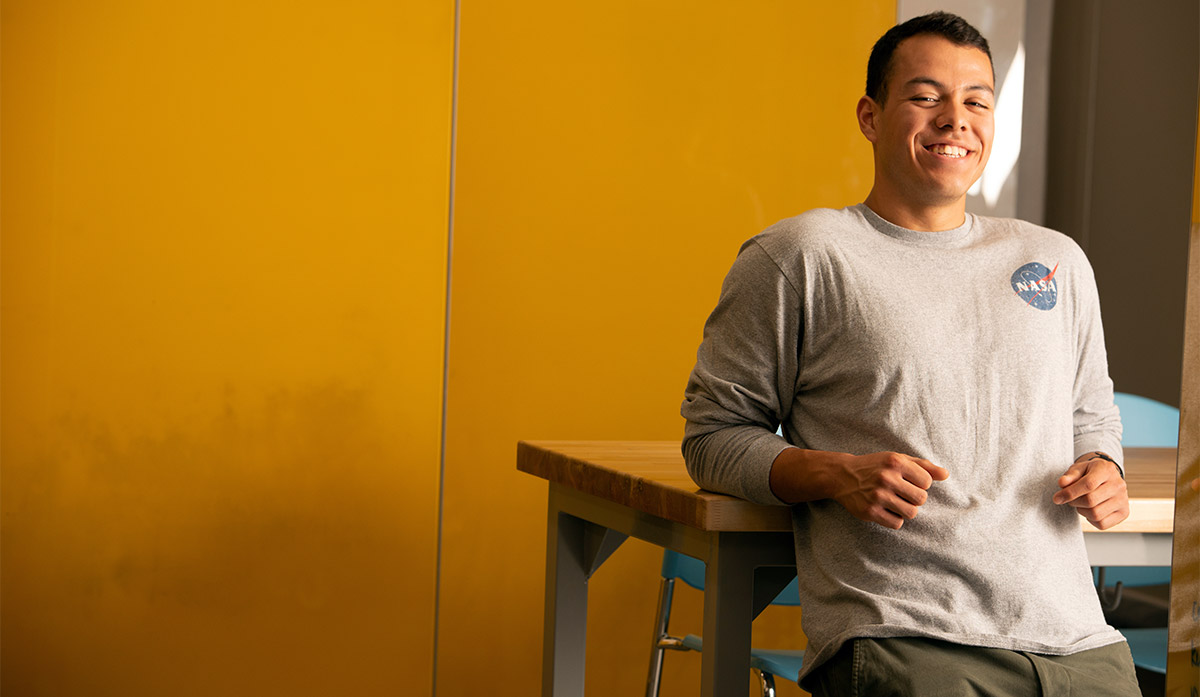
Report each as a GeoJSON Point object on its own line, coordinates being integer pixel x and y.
{"type": "Point", "coordinates": [942, 386]}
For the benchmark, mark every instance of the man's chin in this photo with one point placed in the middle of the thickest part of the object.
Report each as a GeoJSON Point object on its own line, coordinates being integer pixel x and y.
{"type": "Point", "coordinates": [947, 197]}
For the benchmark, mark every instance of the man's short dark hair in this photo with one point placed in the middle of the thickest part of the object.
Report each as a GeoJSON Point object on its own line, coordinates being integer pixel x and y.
{"type": "Point", "coordinates": [948, 26]}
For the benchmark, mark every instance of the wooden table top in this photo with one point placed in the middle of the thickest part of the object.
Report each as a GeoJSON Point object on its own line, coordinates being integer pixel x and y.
{"type": "Point", "coordinates": [649, 476]}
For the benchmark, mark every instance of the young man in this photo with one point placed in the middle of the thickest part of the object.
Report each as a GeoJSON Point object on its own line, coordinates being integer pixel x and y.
{"type": "Point", "coordinates": [942, 386]}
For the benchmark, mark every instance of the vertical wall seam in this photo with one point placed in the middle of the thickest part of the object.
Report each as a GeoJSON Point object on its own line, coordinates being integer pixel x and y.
{"type": "Point", "coordinates": [437, 591]}
{"type": "Point", "coordinates": [1089, 149]}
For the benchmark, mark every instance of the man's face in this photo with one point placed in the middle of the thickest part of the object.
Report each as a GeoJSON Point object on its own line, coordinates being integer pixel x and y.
{"type": "Point", "coordinates": [933, 134]}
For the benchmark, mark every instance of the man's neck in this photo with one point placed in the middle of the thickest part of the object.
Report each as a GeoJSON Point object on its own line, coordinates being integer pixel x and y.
{"type": "Point", "coordinates": [921, 217]}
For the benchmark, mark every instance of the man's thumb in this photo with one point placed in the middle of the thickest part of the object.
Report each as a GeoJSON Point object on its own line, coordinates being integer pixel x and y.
{"type": "Point", "coordinates": [1071, 476]}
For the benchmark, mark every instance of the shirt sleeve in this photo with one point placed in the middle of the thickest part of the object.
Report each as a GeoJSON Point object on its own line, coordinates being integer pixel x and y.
{"type": "Point", "coordinates": [744, 381]}
{"type": "Point", "coordinates": [1097, 421]}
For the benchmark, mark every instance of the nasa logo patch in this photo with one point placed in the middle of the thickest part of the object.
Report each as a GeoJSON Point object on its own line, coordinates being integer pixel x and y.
{"type": "Point", "coordinates": [1035, 284]}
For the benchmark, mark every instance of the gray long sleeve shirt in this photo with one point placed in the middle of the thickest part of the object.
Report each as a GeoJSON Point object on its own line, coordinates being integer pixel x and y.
{"type": "Point", "coordinates": [979, 349]}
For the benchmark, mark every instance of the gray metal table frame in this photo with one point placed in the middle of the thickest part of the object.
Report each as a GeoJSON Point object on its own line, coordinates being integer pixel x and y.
{"type": "Point", "coordinates": [744, 571]}
{"type": "Point", "coordinates": [1116, 548]}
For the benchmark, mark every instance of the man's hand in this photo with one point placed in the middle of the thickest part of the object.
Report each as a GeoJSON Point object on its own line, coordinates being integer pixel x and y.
{"type": "Point", "coordinates": [883, 488]}
{"type": "Point", "coordinates": [886, 488]}
{"type": "Point", "coordinates": [1095, 487]}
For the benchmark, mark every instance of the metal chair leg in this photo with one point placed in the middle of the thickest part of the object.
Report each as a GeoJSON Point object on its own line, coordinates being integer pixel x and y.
{"type": "Point", "coordinates": [767, 681]}
{"type": "Point", "coordinates": [1108, 601]}
{"type": "Point", "coordinates": [661, 621]}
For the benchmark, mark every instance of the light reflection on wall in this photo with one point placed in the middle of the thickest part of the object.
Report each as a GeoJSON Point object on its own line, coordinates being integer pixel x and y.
{"type": "Point", "coordinates": [1002, 23]}
{"type": "Point", "coordinates": [1006, 147]}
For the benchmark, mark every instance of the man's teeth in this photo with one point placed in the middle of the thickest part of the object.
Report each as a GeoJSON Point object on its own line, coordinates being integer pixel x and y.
{"type": "Point", "coordinates": [948, 150]}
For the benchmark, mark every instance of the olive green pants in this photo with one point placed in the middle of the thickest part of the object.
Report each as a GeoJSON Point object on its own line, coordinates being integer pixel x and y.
{"type": "Point", "coordinates": [915, 667]}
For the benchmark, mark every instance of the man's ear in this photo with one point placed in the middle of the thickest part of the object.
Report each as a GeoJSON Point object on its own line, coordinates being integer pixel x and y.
{"type": "Point", "coordinates": [867, 111]}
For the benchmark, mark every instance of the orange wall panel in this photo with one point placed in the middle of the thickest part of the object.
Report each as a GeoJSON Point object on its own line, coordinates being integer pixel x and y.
{"type": "Point", "coordinates": [223, 269]}
{"type": "Point", "coordinates": [611, 159]}
{"type": "Point", "coordinates": [1196, 181]}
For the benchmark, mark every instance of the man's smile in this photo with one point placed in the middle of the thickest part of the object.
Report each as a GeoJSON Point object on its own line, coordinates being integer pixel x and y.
{"type": "Point", "coordinates": [947, 150]}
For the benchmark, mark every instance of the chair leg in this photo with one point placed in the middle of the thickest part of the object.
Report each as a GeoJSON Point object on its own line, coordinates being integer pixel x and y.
{"type": "Point", "coordinates": [767, 681]}
{"type": "Point", "coordinates": [661, 621]}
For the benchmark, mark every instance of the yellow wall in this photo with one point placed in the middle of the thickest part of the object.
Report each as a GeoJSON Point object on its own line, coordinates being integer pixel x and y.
{"type": "Point", "coordinates": [611, 159]}
{"type": "Point", "coordinates": [223, 273]}
{"type": "Point", "coordinates": [224, 242]}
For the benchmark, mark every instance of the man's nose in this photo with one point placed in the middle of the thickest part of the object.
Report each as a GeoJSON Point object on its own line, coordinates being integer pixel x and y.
{"type": "Point", "coordinates": [952, 117]}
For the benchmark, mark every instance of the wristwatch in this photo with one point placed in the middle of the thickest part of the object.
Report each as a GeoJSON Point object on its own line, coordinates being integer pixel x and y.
{"type": "Point", "coordinates": [1102, 456]}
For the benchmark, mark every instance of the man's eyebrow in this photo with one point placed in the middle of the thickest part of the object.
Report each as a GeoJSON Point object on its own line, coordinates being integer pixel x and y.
{"type": "Point", "coordinates": [940, 87]}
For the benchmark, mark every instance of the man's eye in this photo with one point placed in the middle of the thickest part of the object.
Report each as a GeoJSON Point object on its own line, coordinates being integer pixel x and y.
{"type": "Point", "coordinates": [924, 99]}
{"type": "Point", "coordinates": [981, 105]}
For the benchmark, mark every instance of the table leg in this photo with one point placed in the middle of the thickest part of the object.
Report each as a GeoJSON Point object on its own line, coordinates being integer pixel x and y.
{"type": "Point", "coordinates": [728, 614]}
{"type": "Point", "coordinates": [566, 606]}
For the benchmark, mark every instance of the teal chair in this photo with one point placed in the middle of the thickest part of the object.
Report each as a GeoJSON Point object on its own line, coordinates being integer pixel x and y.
{"type": "Point", "coordinates": [767, 664]}
{"type": "Point", "coordinates": [1149, 648]}
{"type": "Point", "coordinates": [1146, 424]}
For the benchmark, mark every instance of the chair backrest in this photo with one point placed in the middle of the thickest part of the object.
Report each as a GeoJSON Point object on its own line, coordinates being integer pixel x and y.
{"type": "Point", "coordinates": [691, 572]}
{"type": "Point", "coordinates": [1147, 423]}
